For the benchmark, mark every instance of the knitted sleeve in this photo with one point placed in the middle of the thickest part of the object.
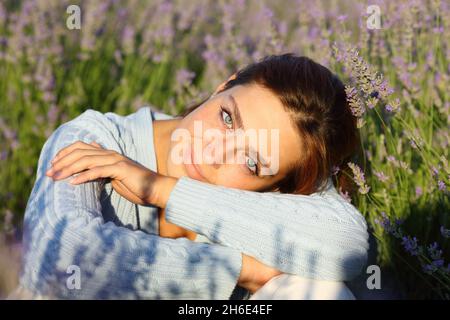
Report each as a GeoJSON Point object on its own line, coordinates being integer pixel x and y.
{"type": "Point", "coordinates": [319, 236]}
{"type": "Point", "coordinates": [70, 252]}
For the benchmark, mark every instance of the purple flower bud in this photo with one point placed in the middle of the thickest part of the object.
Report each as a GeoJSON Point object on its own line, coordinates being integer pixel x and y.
{"type": "Point", "coordinates": [434, 251]}
{"type": "Point", "coordinates": [445, 232]}
{"type": "Point", "coordinates": [410, 245]}
{"type": "Point", "coordinates": [342, 18]}
{"type": "Point", "coordinates": [184, 77]}
{"type": "Point", "coordinates": [419, 191]}
{"type": "Point", "coordinates": [434, 171]}
{"type": "Point", "coordinates": [335, 170]}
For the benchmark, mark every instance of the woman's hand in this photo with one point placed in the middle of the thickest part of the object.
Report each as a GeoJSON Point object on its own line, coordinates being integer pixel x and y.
{"type": "Point", "coordinates": [255, 274]}
{"type": "Point", "coordinates": [133, 181]}
{"type": "Point", "coordinates": [139, 185]}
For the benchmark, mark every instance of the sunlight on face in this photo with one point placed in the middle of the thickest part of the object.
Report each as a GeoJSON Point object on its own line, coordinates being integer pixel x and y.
{"type": "Point", "coordinates": [249, 109]}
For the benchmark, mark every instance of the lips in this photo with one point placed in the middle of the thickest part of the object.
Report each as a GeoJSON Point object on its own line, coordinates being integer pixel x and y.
{"type": "Point", "coordinates": [192, 169]}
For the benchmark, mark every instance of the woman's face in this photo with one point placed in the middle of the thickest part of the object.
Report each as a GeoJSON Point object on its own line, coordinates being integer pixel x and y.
{"type": "Point", "coordinates": [241, 138]}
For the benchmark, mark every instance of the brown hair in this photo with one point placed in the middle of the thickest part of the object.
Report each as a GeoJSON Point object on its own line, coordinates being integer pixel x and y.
{"type": "Point", "coordinates": [316, 100]}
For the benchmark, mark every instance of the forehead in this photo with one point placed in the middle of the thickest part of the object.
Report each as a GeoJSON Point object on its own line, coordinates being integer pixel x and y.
{"type": "Point", "coordinates": [262, 111]}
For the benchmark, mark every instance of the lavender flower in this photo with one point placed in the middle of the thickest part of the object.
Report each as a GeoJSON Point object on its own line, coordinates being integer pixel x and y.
{"type": "Point", "coordinates": [381, 176]}
{"type": "Point", "coordinates": [358, 177]}
{"type": "Point", "coordinates": [419, 191]}
{"type": "Point", "coordinates": [342, 18]}
{"type": "Point", "coordinates": [366, 77]}
{"type": "Point", "coordinates": [356, 105]}
{"type": "Point", "coordinates": [335, 170]}
{"type": "Point", "coordinates": [410, 245]}
{"type": "Point", "coordinates": [52, 114]}
{"type": "Point", "coordinates": [433, 266]}
{"type": "Point", "coordinates": [136, 48]}
{"type": "Point", "coordinates": [184, 77]}
{"type": "Point", "coordinates": [372, 102]}
{"type": "Point", "coordinates": [393, 106]}
{"type": "Point", "coordinates": [345, 195]}
{"type": "Point", "coordinates": [392, 228]}
{"type": "Point", "coordinates": [445, 232]}
{"type": "Point", "coordinates": [127, 40]}
{"type": "Point", "coordinates": [434, 251]}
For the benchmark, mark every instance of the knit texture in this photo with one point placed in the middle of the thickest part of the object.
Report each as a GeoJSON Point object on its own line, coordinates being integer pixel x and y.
{"type": "Point", "coordinates": [115, 243]}
{"type": "Point", "coordinates": [64, 227]}
{"type": "Point", "coordinates": [319, 236]}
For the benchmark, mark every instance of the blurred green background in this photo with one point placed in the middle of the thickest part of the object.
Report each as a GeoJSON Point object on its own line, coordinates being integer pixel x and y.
{"type": "Point", "coordinates": [171, 54]}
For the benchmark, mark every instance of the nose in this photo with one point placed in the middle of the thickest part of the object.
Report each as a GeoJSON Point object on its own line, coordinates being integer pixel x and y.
{"type": "Point", "coordinates": [220, 150]}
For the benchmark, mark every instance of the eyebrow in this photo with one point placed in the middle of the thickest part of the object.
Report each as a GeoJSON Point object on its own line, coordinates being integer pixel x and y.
{"type": "Point", "coordinates": [237, 113]}
{"type": "Point", "coordinates": [240, 124]}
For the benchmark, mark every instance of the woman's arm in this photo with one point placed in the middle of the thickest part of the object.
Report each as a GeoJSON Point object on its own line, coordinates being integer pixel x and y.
{"type": "Point", "coordinates": [320, 236]}
{"type": "Point", "coordinates": [64, 233]}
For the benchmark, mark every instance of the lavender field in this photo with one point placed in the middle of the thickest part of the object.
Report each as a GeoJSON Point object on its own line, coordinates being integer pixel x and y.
{"type": "Point", "coordinates": [171, 54]}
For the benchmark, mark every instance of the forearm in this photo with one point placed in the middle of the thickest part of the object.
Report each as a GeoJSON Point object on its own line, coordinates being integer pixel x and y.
{"type": "Point", "coordinates": [312, 236]}
{"type": "Point", "coordinates": [117, 263]}
{"type": "Point", "coordinates": [253, 273]}
{"type": "Point", "coordinates": [64, 227]}
{"type": "Point", "coordinates": [161, 190]}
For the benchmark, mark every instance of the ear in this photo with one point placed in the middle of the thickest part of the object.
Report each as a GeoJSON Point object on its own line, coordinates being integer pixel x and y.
{"type": "Point", "coordinates": [222, 85]}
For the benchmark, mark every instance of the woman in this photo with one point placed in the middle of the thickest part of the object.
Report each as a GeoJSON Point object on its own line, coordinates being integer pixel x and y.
{"type": "Point", "coordinates": [312, 232]}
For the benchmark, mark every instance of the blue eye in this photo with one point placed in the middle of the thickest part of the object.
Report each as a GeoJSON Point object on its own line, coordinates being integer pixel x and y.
{"type": "Point", "coordinates": [226, 117]}
{"type": "Point", "coordinates": [251, 165]}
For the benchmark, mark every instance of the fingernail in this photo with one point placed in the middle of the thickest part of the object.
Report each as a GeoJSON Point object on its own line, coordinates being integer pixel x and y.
{"type": "Point", "coordinates": [57, 174]}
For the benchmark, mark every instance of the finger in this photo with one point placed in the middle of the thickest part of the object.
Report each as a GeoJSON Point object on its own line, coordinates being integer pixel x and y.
{"type": "Point", "coordinates": [96, 144]}
{"type": "Point", "coordinates": [84, 163]}
{"type": "Point", "coordinates": [106, 171]}
{"type": "Point", "coordinates": [70, 148]}
{"type": "Point", "coordinates": [73, 156]}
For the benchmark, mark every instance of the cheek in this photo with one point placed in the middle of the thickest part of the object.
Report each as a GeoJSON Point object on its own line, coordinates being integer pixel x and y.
{"type": "Point", "coordinates": [206, 116]}
{"type": "Point", "coordinates": [233, 176]}
{"type": "Point", "coordinates": [175, 170]}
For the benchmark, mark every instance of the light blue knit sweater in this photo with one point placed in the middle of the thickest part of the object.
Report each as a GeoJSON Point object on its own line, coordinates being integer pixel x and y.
{"type": "Point", "coordinates": [115, 243]}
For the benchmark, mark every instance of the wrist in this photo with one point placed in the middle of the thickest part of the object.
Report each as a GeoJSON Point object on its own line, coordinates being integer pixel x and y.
{"type": "Point", "coordinates": [162, 187]}
{"type": "Point", "coordinates": [248, 278]}
{"type": "Point", "coordinates": [254, 274]}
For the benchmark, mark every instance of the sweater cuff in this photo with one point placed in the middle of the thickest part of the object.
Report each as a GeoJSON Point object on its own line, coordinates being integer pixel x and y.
{"type": "Point", "coordinates": [187, 205]}
{"type": "Point", "coordinates": [227, 277]}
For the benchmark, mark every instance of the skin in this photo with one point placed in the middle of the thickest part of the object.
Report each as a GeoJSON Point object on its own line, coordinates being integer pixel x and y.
{"type": "Point", "coordinates": [259, 109]}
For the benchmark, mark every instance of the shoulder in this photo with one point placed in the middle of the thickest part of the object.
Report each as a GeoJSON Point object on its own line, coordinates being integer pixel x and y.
{"type": "Point", "coordinates": [122, 133]}
{"type": "Point", "coordinates": [92, 120]}
{"type": "Point", "coordinates": [94, 117]}
{"type": "Point", "coordinates": [158, 114]}
{"type": "Point", "coordinates": [90, 125]}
